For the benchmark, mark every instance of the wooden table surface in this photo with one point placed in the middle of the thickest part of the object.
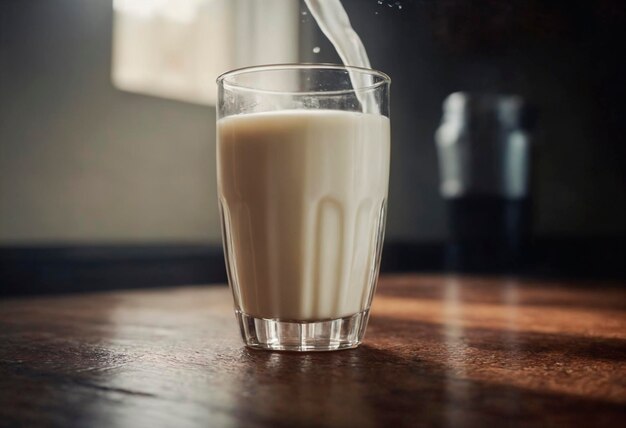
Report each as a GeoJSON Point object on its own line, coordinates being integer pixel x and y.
{"type": "Point", "coordinates": [439, 351]}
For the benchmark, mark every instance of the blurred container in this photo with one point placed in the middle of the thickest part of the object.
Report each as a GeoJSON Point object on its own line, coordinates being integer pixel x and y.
{"type": "Point", "coordinates": [484, 151]}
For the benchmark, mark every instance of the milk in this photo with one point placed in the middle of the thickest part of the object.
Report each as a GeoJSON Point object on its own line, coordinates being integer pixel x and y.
{"type": "Point", "coordinates": [302, 195]}
{"type": "Point", "coordinates": [334, 22]}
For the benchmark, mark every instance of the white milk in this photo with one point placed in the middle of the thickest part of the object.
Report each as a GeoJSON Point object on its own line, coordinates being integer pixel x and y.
{"type": "Point", "coordinates": [302, 194]}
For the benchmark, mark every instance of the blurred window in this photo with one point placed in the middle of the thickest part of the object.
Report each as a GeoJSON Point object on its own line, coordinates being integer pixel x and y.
{"type": "Point", "coordinates": [176, 48]}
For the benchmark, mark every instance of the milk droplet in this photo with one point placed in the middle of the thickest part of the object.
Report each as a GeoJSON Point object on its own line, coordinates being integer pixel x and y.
{"type": "Point", "coordinates": [316, 49]}
{"type": "Point", "coordinates": [304, 12]}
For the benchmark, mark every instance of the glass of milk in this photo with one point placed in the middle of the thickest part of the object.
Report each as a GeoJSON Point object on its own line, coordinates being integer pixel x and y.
{"type": "Point", "coordinates": [303, 172]}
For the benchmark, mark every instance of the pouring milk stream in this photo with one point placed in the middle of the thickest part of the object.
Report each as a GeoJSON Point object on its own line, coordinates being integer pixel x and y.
{"type": "Point", "coordinates": [333, 20]}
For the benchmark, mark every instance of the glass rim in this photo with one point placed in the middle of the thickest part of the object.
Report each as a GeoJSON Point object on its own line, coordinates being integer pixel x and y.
{"type": "Point", "coordinates": [222, 79]}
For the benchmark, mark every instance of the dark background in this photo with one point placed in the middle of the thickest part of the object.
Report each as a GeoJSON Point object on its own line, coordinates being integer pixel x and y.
{"type": "Point", "coordinates": [561, 56]}
{"type": "Point", "coordinates": [105, 189]}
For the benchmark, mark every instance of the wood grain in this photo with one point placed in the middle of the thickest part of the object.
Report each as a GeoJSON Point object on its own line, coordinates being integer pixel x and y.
{"type": "Point", "coordinates": [439, 351]}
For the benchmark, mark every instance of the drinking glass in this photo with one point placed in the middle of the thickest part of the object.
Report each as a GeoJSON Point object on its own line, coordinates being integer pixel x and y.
{"type": "Point", "coordinates": [303, 171]}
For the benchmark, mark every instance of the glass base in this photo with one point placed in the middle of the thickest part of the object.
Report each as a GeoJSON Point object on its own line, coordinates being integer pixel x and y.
{"type": "Point", "coordinates": [306, 336]}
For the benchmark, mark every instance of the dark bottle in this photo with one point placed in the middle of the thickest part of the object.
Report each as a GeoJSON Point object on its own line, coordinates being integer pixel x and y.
{"type": "Point", "coordinates": [484, 158]}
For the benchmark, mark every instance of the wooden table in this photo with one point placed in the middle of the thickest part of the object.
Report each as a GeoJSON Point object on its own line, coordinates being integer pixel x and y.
{"type": "Point", "coordinates": [440, 351]}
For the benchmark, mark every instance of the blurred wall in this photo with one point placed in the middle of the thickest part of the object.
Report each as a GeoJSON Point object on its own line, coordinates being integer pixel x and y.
{"type": "Point", "coordinates": [83, 162]}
